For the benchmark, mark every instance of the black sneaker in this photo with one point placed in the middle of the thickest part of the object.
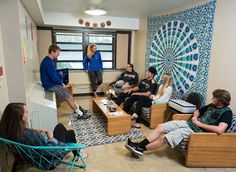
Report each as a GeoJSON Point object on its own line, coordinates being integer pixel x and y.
{"type": "Point", "coordinates": [84, 116]}
{"type": "Point", "coordinates": [134, 148]}
{"type": "Point", "coordinates": [83, 110]}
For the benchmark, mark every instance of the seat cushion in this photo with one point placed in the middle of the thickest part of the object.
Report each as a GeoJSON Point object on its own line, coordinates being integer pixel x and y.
{"type": "Point", "coordinates": [181, 106]}
{"type": "Point", "coordinates": [232, 128]}
{"type": "Point", "coordinates": [146, 112]}
{"type": "Point", "coordinates": [183, 144]}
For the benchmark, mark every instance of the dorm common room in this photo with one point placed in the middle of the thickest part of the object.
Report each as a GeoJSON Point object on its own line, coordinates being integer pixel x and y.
{"type": "Point", "coordinates": [107, 85]}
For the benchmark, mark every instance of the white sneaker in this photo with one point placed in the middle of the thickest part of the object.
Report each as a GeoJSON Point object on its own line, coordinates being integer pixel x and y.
{"type": "Point", "coordinates": [69, 122]}
{"type": "Point", "coordinates": [95, 94]}
{"type": "Point", "coordinates": [84, 116]}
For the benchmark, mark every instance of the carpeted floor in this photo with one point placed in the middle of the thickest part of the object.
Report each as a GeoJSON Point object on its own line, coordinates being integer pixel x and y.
{"type": "Point", "coordinates": [92, 131]}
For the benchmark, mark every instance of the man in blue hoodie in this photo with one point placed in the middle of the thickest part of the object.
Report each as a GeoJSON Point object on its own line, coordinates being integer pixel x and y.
{"type": "Point", "coordinates": [51, 81]}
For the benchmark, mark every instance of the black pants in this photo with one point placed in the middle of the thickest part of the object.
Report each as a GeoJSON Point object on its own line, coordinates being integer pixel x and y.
{"type": "Point", "coordinates": [121, 98]}
{"type": "Point", "coordinates": [142, 101]}
{"type": "Point", "coordinates": [95, 79]}
{"type": "Point", "coordinates": [63, 135]}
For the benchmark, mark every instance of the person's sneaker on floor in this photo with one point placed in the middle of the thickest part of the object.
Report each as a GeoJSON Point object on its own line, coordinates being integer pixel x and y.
{"type": "Point", "coordinates": [83, 110]}
{"type": "Point", "coordinates": [81, 115]}
{"type": "Point", "coordinates": [134, 148]}
{"type": "Point", "coordinates": [95, 94]}
{"type": "Point", "coordinates": [69, 122]}
{"type": "Point", "coordinates": [84, 116]}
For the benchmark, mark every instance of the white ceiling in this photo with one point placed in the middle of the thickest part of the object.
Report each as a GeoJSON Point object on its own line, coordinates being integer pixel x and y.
{"type": "Point", "coordinates": [115, 8]}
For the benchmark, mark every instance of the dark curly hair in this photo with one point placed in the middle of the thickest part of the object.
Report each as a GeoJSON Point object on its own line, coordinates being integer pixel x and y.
{"type": "Point", "coordinates": [223, 96]}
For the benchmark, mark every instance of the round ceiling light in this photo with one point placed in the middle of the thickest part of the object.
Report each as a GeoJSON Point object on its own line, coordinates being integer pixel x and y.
{"type": "Point", "coordinates": [95, 11]}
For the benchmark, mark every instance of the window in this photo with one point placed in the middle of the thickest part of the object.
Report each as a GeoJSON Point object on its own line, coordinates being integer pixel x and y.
{"type": "Point", "coordinates": [105, 45]}
{"type": "Point", "coordinates": [74, 43]}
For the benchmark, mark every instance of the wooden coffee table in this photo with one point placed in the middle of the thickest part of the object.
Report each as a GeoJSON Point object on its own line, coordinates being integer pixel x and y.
{"type": "Point", "coordinates": [118, 122]}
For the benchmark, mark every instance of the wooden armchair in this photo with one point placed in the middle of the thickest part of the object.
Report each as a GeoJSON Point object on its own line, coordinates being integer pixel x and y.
{"type": "Point", "coordinates": [209, 149]}
{"type": "Point", "coordinates": [158, 114]}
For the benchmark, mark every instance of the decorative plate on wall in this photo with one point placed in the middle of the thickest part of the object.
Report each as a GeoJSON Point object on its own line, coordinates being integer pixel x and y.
{"type": "Point", "coordinates": [174, 50]}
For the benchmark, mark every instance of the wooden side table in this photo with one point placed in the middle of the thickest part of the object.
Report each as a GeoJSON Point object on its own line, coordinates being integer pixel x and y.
{"type": "Point", "coordinates": [70, 88]}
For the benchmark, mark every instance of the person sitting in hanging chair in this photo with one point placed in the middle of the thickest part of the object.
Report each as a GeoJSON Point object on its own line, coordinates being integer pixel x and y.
{"type": "Point", "coordinates": [13, 126]}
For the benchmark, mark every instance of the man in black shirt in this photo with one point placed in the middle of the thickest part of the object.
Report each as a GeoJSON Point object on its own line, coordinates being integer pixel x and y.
{"type": "Point", "coordinates": [215, 117]}
{"type": "Point", "coordinates": [147, 87]}
{"type": "Point", "coordinates": [128, 78]}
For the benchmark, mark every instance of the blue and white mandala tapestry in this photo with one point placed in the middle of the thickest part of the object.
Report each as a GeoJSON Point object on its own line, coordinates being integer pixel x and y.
{"type": "Point", "coordinates": [180, 44]}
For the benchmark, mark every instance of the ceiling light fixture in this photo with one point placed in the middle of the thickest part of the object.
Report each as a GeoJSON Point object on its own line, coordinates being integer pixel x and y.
{"type": "Point", "coordinates": [95, 11]}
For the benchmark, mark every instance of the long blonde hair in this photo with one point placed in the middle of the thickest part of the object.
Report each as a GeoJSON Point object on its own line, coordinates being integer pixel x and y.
{"type": "Point", "coordinates": [90, 53]}
{"type": "Point", "coordinates": [166, 82]}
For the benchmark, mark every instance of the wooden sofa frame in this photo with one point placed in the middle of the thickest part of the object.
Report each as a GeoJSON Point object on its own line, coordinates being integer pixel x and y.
{"type": "Point", "coordinates": [158, 114]}
{"type": "Point", "coordinates": [209, 149]}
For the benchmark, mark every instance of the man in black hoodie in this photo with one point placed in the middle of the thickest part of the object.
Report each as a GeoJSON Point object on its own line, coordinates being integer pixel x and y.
{"type": "Point", "coordinates": [127, 78]}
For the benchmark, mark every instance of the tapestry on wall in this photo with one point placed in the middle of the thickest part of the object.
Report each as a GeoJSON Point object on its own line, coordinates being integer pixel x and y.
{"type": "Point", "coordinates": [180, 44]}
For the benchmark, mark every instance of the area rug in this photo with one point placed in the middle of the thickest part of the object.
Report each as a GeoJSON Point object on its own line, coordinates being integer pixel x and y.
{"type": "Point", "coordinates": [93, 131]}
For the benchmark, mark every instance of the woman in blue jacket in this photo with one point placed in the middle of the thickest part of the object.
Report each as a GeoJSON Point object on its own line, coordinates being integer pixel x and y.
{"type": "Point", "coordinates": [93, 65]}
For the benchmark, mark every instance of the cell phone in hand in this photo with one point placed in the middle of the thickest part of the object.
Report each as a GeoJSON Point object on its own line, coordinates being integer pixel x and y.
{"type": "Point", "coordinates": [44, 134]}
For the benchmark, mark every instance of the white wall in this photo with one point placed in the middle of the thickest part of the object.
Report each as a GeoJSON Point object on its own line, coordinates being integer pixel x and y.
{"type": "Point", "coordinates": [3, 83]}
{"type": "Point", "coordinates": [9, 17]}
{"type": "Point", "coordinates": [222, 65]}
{"type": "Point", "coordinates": [44, 41]}
{"type": "Point", "coordinates": [67, 19]}
{"type": "Point", "coordinates": [16, 38]}
{"type": "Point", "coordinates": [81, 82]}
{"type": "Point", "coordinates": [29, 48]}
{"type": "Point", "coordinates": [223, 59]}
{"type": "Point", "coordinates": [140, 47]}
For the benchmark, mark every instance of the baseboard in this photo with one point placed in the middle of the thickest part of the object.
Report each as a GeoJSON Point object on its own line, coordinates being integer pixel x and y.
{"type": "Point", "coordinates": [88, 94]}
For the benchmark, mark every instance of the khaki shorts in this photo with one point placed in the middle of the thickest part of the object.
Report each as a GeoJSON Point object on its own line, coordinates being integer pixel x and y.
{"type": "Point", "coordinates": [176, 131]}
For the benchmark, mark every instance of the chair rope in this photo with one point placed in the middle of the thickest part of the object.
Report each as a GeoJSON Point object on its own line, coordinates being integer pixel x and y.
{"type": "Point", "coordinates": [46, 157]}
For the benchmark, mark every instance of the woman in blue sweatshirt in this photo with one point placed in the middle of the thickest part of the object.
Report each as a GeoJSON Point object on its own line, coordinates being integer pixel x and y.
{"type": "Point", "coordinates": [93, 65]}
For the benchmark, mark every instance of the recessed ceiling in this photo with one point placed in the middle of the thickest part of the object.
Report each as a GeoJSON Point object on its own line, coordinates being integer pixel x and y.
{"type": "Point", "coordinates": [115, 8]}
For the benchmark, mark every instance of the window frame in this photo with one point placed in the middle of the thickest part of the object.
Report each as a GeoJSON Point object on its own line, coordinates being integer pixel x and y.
{"type": "Point", "coordinates": [85, 41]}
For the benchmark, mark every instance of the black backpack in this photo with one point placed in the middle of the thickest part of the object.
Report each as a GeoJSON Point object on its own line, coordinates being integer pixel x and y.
{"type": "Point", "coordinates": [195, 99]}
